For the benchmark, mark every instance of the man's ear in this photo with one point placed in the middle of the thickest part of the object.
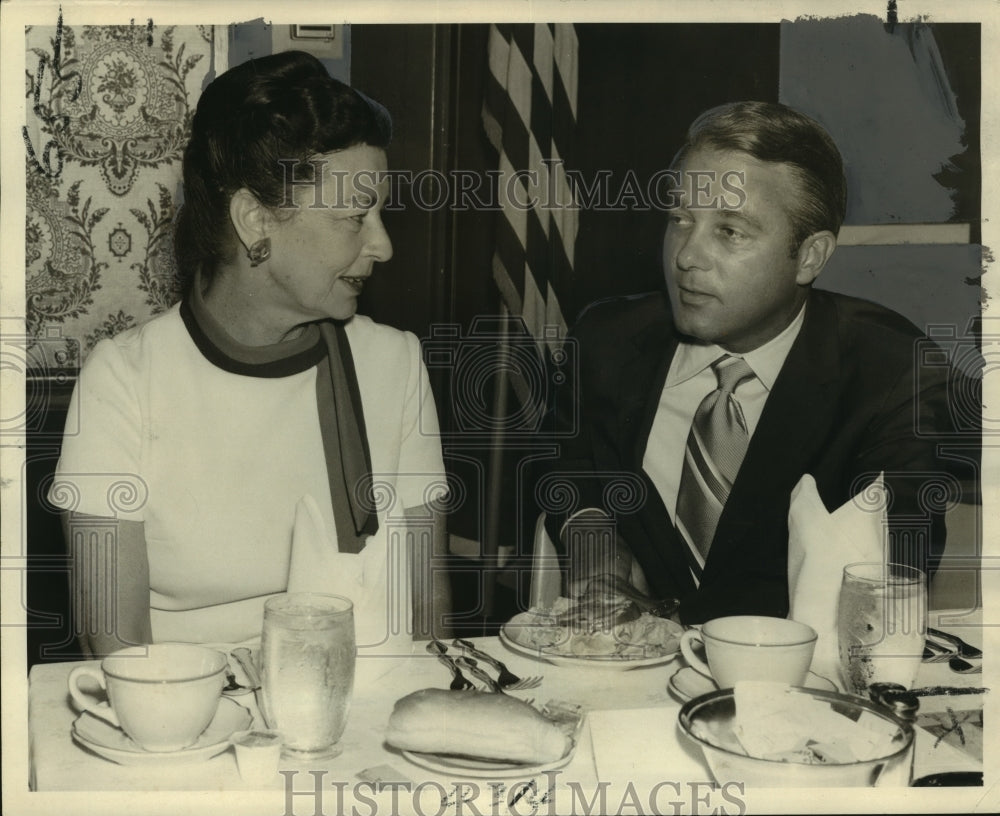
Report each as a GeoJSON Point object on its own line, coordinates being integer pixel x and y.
{"type": "Point", "coordinates": [813, 254]}
{"type": "Point", "coordinates": [250, 218]}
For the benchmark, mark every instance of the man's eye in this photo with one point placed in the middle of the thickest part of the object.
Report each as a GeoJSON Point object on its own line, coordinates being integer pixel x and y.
{"type": "Point", "coordinates": [732, 233]}
{"type": "Point", "coordinates": [678, 218]}
{"type": "Point", "coordinates": [359, 218]}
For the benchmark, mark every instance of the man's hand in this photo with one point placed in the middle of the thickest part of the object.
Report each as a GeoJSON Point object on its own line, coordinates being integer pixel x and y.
{"type": "Point", "coordinates": [594, 548]}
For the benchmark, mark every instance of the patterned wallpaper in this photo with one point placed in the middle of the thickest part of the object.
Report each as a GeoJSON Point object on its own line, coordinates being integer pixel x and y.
{"type": "Point", "coordinates": [109, 110]}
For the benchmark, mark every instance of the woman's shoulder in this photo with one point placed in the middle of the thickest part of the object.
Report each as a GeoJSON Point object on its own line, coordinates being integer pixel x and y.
{"type": "Point", "coordinates": [379, 341]}
{"type": "Point", "coordinates": [135, 345]}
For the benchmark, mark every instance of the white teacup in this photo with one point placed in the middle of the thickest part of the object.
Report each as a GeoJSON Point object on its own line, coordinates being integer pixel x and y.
{"type": "Point", "coordinates": [752, 647]}
{"type": "Point", "coordinates": [163, 695]}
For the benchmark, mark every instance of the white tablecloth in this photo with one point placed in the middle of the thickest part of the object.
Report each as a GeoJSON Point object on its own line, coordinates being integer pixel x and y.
{"type": "Point", "coordinates": [632, 719]}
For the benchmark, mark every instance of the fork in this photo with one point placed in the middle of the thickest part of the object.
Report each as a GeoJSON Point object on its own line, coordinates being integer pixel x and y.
{"type": "Point", "coordinates": [964, 649]}
{"type": "Point", "coordinates": [479, 674]}
{"type": "Point", "coordinates": [459, 681]}
{"type": "Point", "coordinates": [507, 679]}
{"type": "Point", "coordinates": [936, 653]}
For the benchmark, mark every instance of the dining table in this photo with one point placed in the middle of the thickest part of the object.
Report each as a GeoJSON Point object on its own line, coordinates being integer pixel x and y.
{"type": "Point", "coordinates": [630, 756]}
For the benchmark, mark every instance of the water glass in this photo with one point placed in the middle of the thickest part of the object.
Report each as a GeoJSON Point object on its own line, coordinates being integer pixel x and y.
{"type": "Point", "coordinates": [307, 671]}
{"type": "Point", "coordinates": [881, 623]}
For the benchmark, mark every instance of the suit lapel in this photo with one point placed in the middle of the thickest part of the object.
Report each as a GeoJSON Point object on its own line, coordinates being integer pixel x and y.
{"type": "Point", "coordinates": [797, 414]}
{"type": "Point", "coordinates": [657, 358]}
{"type": "Point", "coordinates": [642, 365]}
{"type": "Point", "coordinates": [641, 382]}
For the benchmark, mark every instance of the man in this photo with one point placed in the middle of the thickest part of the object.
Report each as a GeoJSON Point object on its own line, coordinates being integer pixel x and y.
{"type": "Point", "coordinates": [719, 396]}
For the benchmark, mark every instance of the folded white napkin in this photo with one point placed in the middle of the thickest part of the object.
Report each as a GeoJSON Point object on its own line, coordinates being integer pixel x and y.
{"type": "Point", "coordinates": [617, 756]}
{"type": "Point", "coordinates": [376, 582]}
{"type": "Point", "coordinates": [820, 545]}
{"type": "Point", "coordinates": [316, 563]}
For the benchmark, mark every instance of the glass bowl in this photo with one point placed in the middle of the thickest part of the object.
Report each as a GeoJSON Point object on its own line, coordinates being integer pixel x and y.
{"type": "Point", "coordinates": [708, 720]}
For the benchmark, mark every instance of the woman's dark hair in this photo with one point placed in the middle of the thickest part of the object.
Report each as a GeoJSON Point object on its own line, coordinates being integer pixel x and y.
{"type": "Point", "coordinates": [280, 107]}
{"type": "Point", "coordinates": [776, 133]}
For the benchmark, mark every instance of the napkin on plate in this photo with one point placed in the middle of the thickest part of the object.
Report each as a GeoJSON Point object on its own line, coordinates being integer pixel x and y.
{"type": "Point", "coordinates": [820, 545]}
{"type": "Point", "coordinates": [774, 722]}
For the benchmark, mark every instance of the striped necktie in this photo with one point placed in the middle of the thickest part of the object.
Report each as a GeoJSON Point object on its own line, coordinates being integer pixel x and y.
{"type": "Point", "coordinates": [715, 449]}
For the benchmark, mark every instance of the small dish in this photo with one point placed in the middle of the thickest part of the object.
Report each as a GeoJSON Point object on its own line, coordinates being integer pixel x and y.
{"type": "Point", "coordinates": [687, 683]}
{"type": "Point", "coordinates": [111, 743]}
{"type": "Point", "coordinates": [866, 730]}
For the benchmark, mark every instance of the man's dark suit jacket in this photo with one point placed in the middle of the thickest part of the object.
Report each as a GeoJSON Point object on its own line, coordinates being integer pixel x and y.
{"type": "Point", "coordinates": [845, 406]}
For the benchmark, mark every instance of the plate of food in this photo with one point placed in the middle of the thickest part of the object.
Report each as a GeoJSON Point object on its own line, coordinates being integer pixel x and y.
{"type": "Point", "coordinates": [604, 635]}
{"type": "Point", "coordinates": [483, 734]}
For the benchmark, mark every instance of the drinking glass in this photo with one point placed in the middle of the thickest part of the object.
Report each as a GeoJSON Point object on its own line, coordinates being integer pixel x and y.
{"type": "Point", "coordinates": [307, 671]}
{"type": "Point", "coordinates": [881, 622]}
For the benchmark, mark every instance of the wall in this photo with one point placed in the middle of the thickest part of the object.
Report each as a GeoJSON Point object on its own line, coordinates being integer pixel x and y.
{"type": "Point", "coordinates": [902, 104]}
{"type": "Point", "coordinates": [107, 132]}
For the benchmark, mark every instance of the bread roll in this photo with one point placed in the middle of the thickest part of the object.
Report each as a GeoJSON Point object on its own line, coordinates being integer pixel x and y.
{"type": "Point", "coordinates": [475, 724]}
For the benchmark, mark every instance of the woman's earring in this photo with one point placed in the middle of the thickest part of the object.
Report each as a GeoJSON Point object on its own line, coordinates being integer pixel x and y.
{"type": "Point", "coordinates": [259, 251]}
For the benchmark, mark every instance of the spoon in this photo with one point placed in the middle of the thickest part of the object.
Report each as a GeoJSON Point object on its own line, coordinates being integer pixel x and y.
{"type": "Point", "coordinates": [964, 649]}
{"type": "Point", "coordinates": [244, 657]}
{"type": "Point", "coordinates": [233, 688]}
{"type": "Point", "coordinates": [964, 667]}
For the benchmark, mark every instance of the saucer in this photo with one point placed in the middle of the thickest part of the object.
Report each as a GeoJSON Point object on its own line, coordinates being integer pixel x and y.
{"type": "Point", "coordinates": [687, 683]}
{"type": "Point", "coordinates": [484, 768]}
{"type": "Point", "coordinates": [112, 743]}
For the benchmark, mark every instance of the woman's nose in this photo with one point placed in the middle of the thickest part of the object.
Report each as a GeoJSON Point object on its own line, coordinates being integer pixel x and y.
{"type": "Point", "coordinates": [379, 243]}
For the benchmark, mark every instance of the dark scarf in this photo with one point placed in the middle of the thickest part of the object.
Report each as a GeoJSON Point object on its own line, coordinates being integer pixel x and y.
{"type": "Point", "coordinates": [338, 399]}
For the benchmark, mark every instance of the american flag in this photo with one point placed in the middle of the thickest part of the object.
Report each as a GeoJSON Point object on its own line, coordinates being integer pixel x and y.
{"type": "Point", "coordinates": [529, 114]}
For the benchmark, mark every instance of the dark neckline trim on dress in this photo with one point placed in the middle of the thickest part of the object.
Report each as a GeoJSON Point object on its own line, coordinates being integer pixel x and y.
{"type": "Point", "coordinates": [220, 349]}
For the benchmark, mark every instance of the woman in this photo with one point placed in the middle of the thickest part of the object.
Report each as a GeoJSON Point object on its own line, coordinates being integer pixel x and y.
{"type": "Point", "coordinates": [259, 437]}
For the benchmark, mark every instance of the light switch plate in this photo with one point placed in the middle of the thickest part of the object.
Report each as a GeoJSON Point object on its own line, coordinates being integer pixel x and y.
{"type": "Point", "coordinates": [323, 41]}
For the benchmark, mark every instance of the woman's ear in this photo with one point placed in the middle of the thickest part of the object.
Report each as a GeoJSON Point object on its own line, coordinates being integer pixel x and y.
{"type": "Point", "coordinates": [250, 218]}
{"type": "Point", "coordinates": [813, 254]}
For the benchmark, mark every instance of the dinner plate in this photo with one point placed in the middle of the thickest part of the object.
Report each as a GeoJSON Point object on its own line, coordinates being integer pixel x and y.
{"type": "Point", "coordinates": [687, 683]}
{"type": "Point", "coordinates": [568, 716]}
{"type": "Point", "coordinates": [112, 743]}
{"type": "Point", "coordinates": [612, 662]}
{"type": "Point", "coordinates": [484, 768]}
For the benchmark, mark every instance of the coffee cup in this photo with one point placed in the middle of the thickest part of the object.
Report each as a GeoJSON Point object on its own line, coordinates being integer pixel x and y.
{"type": "Point", "coordinates": [163, 695]}
{"type": "Point", "coordinates": [751, 647]}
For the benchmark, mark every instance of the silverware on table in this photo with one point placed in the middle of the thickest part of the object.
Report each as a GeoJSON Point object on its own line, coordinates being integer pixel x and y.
{"type": "Point", "coordinates": [233, 688]}
{"type": "Point", "coordinates": [935, 652]}
{"type": "Point", "coordinates": [243, 656]}
{"type": "Point", "coordinates": [957, 664]}
{"type": "Point", "coordinates": [886, 693]}
{"type": "Point", "coordinates": [949, 779]}
{"type": "Point", "coordinates": [473, 668]}
{"type": "Point", "coordinates": [507, 679]}
{"type": "Point", "coordinates": [483, 677]}
{"type": "Point", "coordinates": [459, 681]}
{"type": "Point", "coordinates": [964, 649]}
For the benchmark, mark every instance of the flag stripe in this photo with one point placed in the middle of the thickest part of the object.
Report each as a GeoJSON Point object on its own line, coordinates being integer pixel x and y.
{"type": "Point", "coordinates": [529, 115]}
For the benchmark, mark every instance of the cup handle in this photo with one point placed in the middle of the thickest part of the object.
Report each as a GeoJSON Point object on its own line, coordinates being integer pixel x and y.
{"type": "Point", "coordinates": [85, 701]}
{"type": "Point", "coordinates": [693, 660]}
